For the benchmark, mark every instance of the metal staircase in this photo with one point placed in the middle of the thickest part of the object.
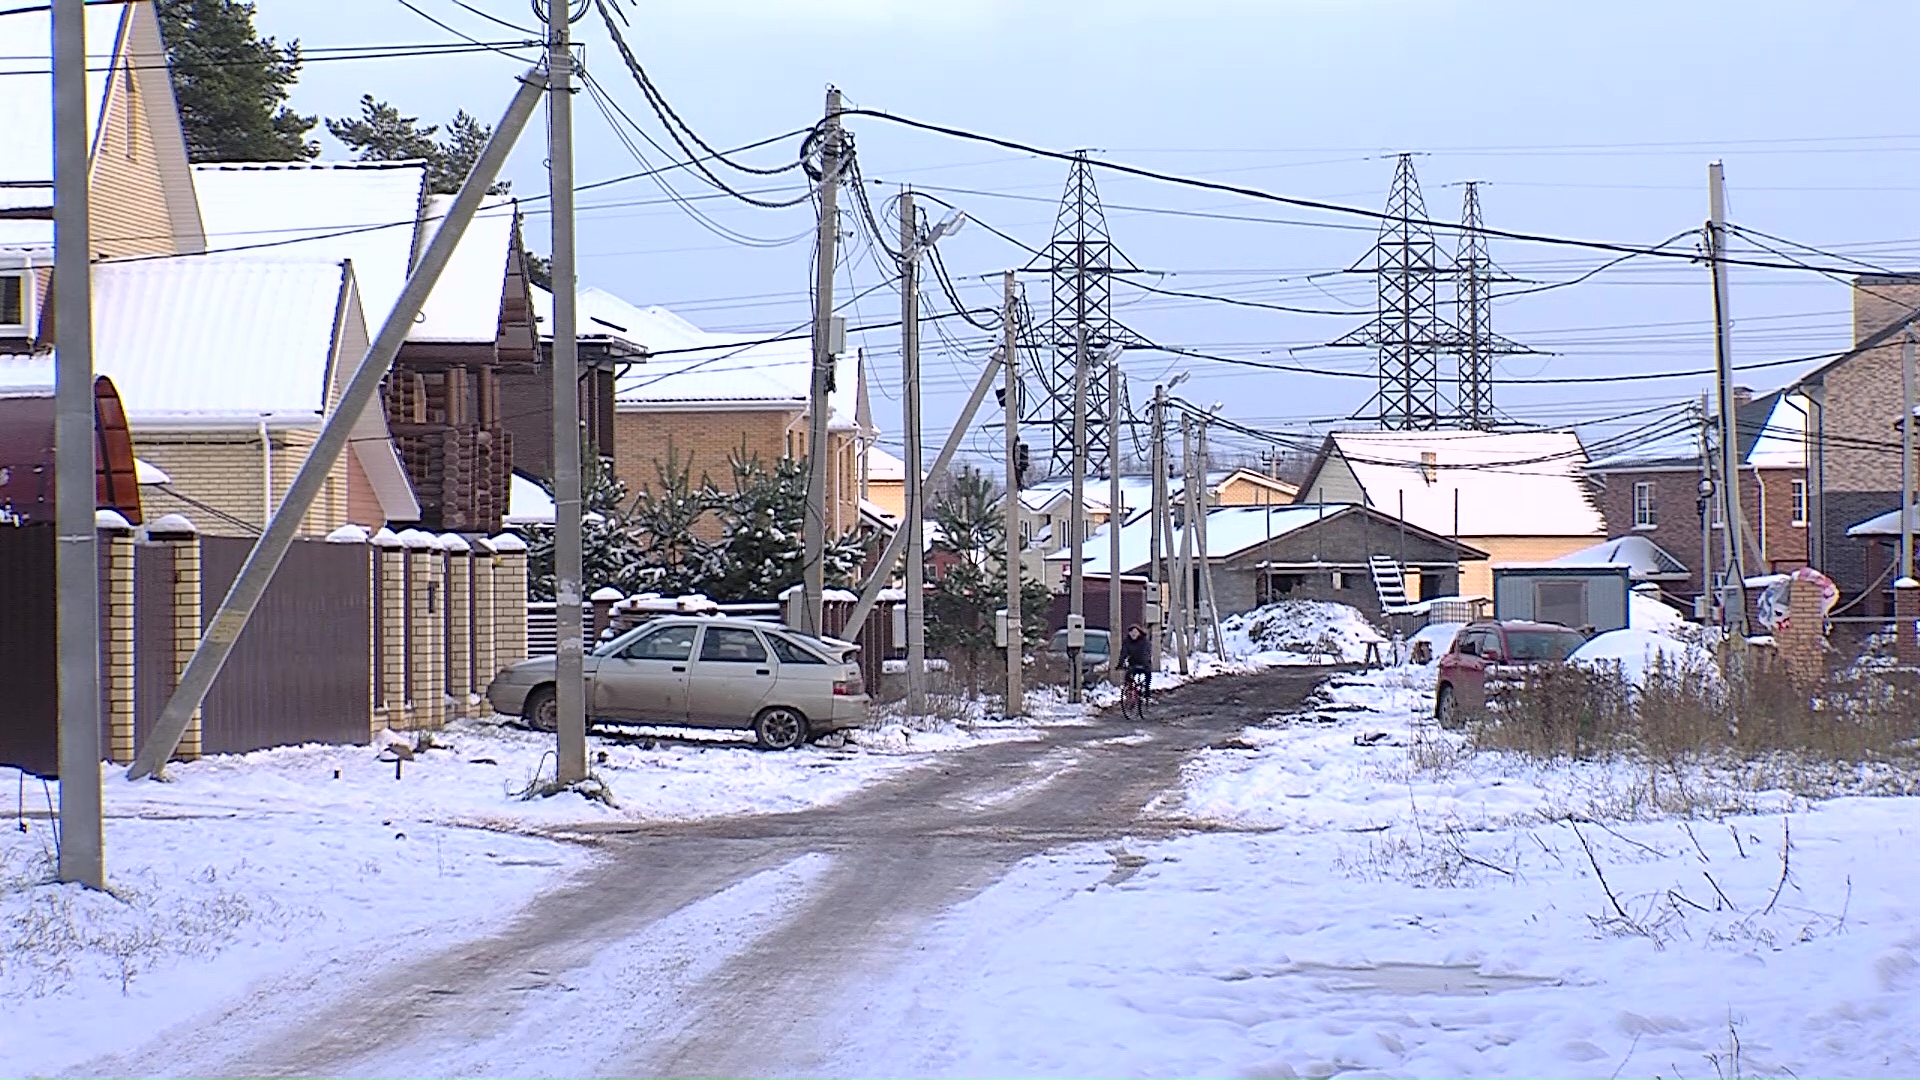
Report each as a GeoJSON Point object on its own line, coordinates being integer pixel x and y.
{"type": "Point", "coordinates": [1389, 580]}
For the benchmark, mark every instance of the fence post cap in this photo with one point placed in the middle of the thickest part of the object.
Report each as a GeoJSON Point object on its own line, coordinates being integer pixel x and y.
{"type": "Point", "coordinates": [1906, 583]}
{"type": "Point", "coordinates": [418, 540]}
{"type": "Point", "coordinates": [454, 543]}
{"type": "Point", "coordinates": [348, 534]}
{"type": "Point", "coordinates": [607, 594]}
{"type": "Point", "coordinates": [171, 527]}
{"type": "Point", "coordinates": [111, 520]}
{"type": "Point", "coordinates": [386, 538]}
{"type": "Point", "coordinates": [508, 544]}
{"type": "Point", "coordinates": [479, 545]}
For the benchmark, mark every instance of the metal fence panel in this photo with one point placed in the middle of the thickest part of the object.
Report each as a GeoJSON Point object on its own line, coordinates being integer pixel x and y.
{"type": "Point", "coordinates": [153, 643]}
{"type": "Point", "coordinates": [300, 671]}
{"type": "Point", "coordinates": [29, 723]}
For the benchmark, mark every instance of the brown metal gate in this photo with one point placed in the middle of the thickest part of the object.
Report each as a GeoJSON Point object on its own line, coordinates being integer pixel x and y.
{"type": "Point", "coordinates": [29, 723]}
{"type": "Point", "coordinates": [300, 671]}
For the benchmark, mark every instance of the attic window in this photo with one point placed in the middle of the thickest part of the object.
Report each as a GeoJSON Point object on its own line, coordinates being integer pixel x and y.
{"type": "Point", "coordinates": [1430, 465]}
{"type": "Point", "coordinates": [14, 294]}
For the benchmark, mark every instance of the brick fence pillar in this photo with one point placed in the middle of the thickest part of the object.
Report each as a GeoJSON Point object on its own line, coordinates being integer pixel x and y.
{"type": "Point", "coordinates": [480, 565]}
{"type": "Point", "coordinates": [1802, 641]}
{"type": "Point", "coordinates": [1906, 611]}
{"type": "Point", "coordinates": [181, 539]}
{"type": "Point", "coordinates": [459, 623]}
{"type": "Point", "coordinates": [510, 600]}
{"type": "Point", "coordinates": [392, 578]}
{"type": "Point", "coordinates": [426, 685]}
{"type": "Point", "coordinates": [117, 655]}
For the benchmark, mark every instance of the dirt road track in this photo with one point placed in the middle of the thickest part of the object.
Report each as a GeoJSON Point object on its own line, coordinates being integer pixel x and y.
{"type": "Point", "coordinates": [721, 948]}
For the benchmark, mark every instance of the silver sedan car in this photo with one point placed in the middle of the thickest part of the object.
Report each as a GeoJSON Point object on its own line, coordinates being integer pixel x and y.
{"type": "Point", "coordinates": [709, 672]}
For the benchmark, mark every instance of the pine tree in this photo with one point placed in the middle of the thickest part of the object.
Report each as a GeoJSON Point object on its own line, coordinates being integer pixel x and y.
{"type": "Point", "coordinates": [232, 85]}
{"type": "Point", "coordinates": [610, 551]}
{"type": "Point", "coordinates": [962, 601]}
{"type": "Point", "coordinates": [765, 518]}
{"type": "Point", "coordinates": [380, 133]}
{"type": "Point", "coordinates": [662, 519]}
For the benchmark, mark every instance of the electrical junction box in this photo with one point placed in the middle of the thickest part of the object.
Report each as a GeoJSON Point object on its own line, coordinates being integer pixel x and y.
{"type": "Point", "coordinates": [1000, 628]}
{"type": "Point", "coordinates": [1076, 631]}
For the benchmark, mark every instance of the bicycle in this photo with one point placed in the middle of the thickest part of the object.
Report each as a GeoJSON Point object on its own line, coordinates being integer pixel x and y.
{"type": "Point", "coordinates": [1134, 693]}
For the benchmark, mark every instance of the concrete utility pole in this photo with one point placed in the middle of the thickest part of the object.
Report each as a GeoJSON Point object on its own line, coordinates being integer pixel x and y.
{"type": "Point", "coordinates": [1156, 573]}
{"type": "Point", "coordinates": [1735, 587]}
{"type": "Point", "coordinates": [1906, 453]}
{"type": "Point", "coordinates": [815, 530]}
{"type": "Point", "coordinates": [569, 680]}
{"type": "Point", "coordinates": [1016, 650]}
{"type": "Point", "coordinates": [76, 569]}
{"type": "Point", "coordinates": [224, 629]}
{"type": "Point", "coordinates": [1211, 612]}
{"type": "Point", "coordinates": [1705, 609]}
{"type": "Point", "coordinates": [1115, 632]}
{"type": "Point", "coordinates": [1189, 512]}
{"type": "Point", "coordinates": [915, 510]}
{"type": "Point", "coordinates": [1077, 516]}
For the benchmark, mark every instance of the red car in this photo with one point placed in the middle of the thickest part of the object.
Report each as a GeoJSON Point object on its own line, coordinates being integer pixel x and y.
{"type": "Point", "coordinates": [1481, 647]}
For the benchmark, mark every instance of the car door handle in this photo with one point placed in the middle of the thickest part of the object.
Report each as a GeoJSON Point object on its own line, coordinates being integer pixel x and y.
{"type": "Point", "coordinates": [679, 667]}
{"type": "Point", "coordinates": [762, 671]}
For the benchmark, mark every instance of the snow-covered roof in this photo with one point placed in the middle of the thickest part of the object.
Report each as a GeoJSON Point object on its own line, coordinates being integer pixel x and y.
{"type": "Point", "coordinates": [26, 109]}
{"type": "Point", "coordinates": [1772, 429]}
{"type": "Point", "coordinates": [465, 302]}
{"type": "Point", "coordinates": [1782, 442]}
{"type": "Point", "coordinates": [528, 503]}
{"type": "Point", "coordinates": [598, 312]}
{"type": "Point", "coordinates": [1504, 483]}
{"type": "Point", "coordinates": [1230, 530]}
{"type": "Point", "coordinates": [213, 337]}
{"type": "Point", "coordinates": [1643, 558]}
{"type": "Point", "coordinates": [884, 466]}
{"type": "Point", "coordinates": [1887, 524]}
{"type": "Point", "coordinates": [363, 211]}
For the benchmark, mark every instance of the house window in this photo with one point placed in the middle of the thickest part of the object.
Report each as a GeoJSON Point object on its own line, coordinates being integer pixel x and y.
{"type": "Point", "coordinates": [16, 302]}
{"type": "Point", "coordinates": [1719, 512]}
{"type": "Point", "coordinates": [1643, 514]}
{"type": "Point", "coordinates": [1799, 502]}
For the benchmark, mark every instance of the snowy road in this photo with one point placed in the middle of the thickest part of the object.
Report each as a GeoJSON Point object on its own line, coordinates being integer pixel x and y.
{"type": "Point", "coordinates": [732, 947]}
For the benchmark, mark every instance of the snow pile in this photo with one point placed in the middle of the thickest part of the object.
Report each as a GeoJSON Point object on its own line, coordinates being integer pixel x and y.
{"type": "Point", "coordinates": [1633, 652]}
{"type": "Point", "coordinates": [1300, 631]}
{"type": "Point", "coordinates": [1647, 613]}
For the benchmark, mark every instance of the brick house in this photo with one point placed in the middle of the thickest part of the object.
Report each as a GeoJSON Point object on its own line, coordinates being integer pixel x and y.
{"type": "Point", "coordinates": [1517, 497]}
{"type": "Point", "coordinates": [1653, 491]}
{"type": "Point", "coordinates": [1853, 449]}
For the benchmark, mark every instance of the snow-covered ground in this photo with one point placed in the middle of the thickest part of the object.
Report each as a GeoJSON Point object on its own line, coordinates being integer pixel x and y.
{"type": "Point", "coordinates": [1300, 632]}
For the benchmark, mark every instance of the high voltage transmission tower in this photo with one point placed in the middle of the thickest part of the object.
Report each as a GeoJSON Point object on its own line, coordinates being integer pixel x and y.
{"type": "Point", "coordinates": [1080, 261]}
{"type": "Point", "coordinates": [1473, 277]}
{"type": "Point", "coordinates": [1407, 332]}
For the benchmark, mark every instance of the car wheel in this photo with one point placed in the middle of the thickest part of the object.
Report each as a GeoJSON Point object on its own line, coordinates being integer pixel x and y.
{"type": "Point", "coordinates": [1446, 709]}
{"type": "Point", "coordinates": [541, 711]}
{"type": "Point", "coordinates": [780, 728]}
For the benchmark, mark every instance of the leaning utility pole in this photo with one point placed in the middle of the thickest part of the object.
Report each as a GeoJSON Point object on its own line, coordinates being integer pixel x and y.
{"type": "Point", "coordinates": [76, 571]}
{"type": "Point", "coordinates": [1115, 519]}
{"type": "Point", "coordinates": [1156, 573]}
{"type": "Point", "coordinates": [814, 587]}
{"type": "Point", "coordinates": [569, 678]}
{"type": "Point", "coordinates": [910, 423]}
{"type": "Point", "coordinates": [363, 386]}
{"type": "Point", "coordinates": [1734, 561]}
{"type": "Point", "coordinates": [1077, 519]}
{"type": "Point", "coordinates": [1016, 649]}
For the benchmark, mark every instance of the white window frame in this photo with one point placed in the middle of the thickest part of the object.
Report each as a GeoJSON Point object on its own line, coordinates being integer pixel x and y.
{"type": "Point", "coordinates": [1644, 515]}
{"type": "Point", "coordinates": [1798, 504]}
{"type": "Point", "coordinates": [25, 326]}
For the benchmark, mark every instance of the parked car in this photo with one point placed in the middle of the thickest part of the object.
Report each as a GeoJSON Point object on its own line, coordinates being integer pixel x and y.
{"type": "Point", "coordinates": [1095, 654]}
{"type": "Point", "coordinates": [1482, 648]}
{"type": "Point", "coordinates": [703, 671]}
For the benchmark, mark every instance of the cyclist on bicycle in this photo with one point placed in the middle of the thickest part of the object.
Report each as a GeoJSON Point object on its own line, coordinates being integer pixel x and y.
{"type": "Point", "coordinates": [1136, 659]}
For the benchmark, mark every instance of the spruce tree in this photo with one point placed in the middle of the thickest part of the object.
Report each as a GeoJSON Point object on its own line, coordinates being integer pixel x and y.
{"type": "Point", "coordinates": [380, 133]}
{"type": "Point", "coordinates": [232, 85]}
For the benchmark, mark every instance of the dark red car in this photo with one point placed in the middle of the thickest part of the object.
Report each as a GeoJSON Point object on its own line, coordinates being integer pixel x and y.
{"type": "Point", "coordinates": [1482, 647]}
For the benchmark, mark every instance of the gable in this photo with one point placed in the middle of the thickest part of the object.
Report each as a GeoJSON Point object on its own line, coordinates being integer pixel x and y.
{"type": "Point", "coordinates": [1474, 483]}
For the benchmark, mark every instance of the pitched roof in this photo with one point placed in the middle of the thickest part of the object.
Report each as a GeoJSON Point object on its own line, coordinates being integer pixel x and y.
{"type": "Point", "coordinates": [363, 211]}
{"type": "Point", "coordinates": [884, 466]}
{"type": "Point", "coordinates": [1643, 558]}
{"type": "Point", "coordinates": [206, 337]}
{"type": "Point", "coordinates": [465, 302]}
{"type": "Point", "coordinates": [1772, 430]}
{"type": "Point", "coordinates": [1887, 524]}
{"type": "Point", "coordinates": [26, 113]}
{"type": "Point", "coordinates": [1503, 483]}
{"type": "Point", "coordinates": [1230, 530]}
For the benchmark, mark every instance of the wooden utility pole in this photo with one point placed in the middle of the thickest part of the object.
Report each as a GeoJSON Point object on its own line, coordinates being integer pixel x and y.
{"type": "Point", "coordinates": [814, 585]}
{"type": "Point", "coordinates": [1016, 649]}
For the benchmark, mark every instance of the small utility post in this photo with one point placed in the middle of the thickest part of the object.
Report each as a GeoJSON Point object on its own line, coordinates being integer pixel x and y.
{"type": "Point", "coordinates": [1115, 634]}
{"type": "Point", "coordinates": [1707, 495]}
{"type": "Point", "coordinates": [910, 422]}
{"type": "Point", "coordinates": [1077, 514]}
{"type": "Point", "coordinates": [1016, 650]}
{"type": "Point", "coordinates": [815, 529]}
{"type": "Point", "coordinates": [569, 679]}
{"type": "Point", "coordinates": [1735, 589]}
{"type": "Point", "coordinates": [1906, 453]}
{"type": "Point", "coordinates": [1156, 573]}
{"type": "Point", "coordinates": [76, 571]}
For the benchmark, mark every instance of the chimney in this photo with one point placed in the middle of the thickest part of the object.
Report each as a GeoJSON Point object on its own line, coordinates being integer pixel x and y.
{"type": "Point", "coordinates": [1742, 396]}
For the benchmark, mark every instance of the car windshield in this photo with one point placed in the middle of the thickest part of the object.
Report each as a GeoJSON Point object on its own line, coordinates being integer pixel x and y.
{"type": "Point", "coordinates": [1543, 644]}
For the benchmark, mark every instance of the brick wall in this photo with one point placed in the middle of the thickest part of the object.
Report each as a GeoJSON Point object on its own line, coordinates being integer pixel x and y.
{"type": "Point", "coordinates": [221, 472]}
{"type": "Point", "coordinates": [705, 440]}
{"type": "Point", "coordinates": [1677, 517]}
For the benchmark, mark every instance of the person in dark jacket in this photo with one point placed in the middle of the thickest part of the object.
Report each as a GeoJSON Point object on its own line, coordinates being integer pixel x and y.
{"type": "Point", "coordinates": [1136, 659]}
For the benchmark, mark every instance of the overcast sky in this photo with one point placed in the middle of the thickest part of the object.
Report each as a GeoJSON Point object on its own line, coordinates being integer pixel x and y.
{"type": "Point", "coordinates": [1591, 121]}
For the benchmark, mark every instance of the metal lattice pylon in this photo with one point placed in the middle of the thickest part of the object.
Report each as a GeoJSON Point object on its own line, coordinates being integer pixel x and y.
{"type": "Point", "coordinates": [1080, 261]}
{"type": "Point", "coordinates": [1407, 333]}
{"type": "Point", "coordinates": [1473, 277]}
